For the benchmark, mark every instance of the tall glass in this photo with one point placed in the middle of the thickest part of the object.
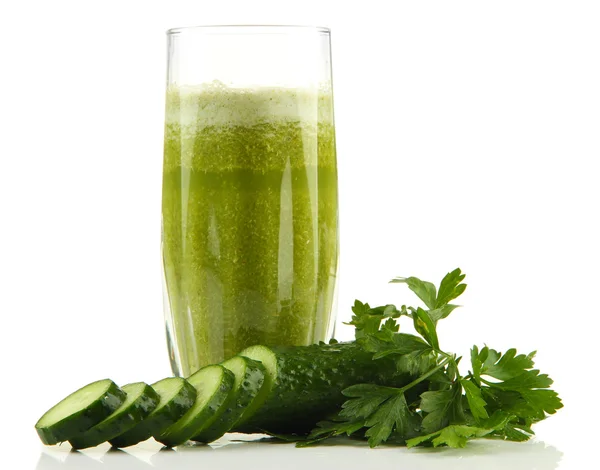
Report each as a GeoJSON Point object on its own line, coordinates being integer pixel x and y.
{"type": "Point", "coordinates": [250, 200]}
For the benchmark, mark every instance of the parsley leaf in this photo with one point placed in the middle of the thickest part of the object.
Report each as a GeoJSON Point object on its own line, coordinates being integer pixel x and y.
{"type": "Point", "coordinates": [411, 354]}
{"type": "Point", "coordinates": [443, 407]}
{"type": "Point", "coordinates": [365, 399]}
{"type": "Point", "coordinates": [326, 429]}
{"type": "Point", "coordinates": [519, 389]}
{"type": "Point", "coordinates": [475, 399]}
{"type": "Point", "coordinates": [438, 303]}
{"type": "Point", "coordinates": [384, 409]}
{"type": "Point", "coordinates": [425, 290]}
{"type": "Point", "coordinates": [416, 362]}
{"type": "Point", "coordinates": [500, 366]}
{"type": "Point", "coordinates": [457, 435]}
{"type": "Point", "coordinates": [394, 415]}
{"type": "Point", "coordinates": [367, 320]}
{"type": "Point", "coordinates": [530, 405]}
{"type": "Point", "coordinates": [400, 343]}
{"type": "Point", "coordinates": [450, 288]}
{"type": "Point", "coordinates": [364, 322]}
{"type": "Point", "coordinates": [425, 327]}
{"type": "Point", "coordinates": [437, 314]}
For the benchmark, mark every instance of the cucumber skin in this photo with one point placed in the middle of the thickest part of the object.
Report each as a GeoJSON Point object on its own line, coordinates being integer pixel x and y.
{"type": "Point", "coordinates": [156, 424]}
{"type": "Point", "coordinates": [84, 419]}
{"type": "Point", "coordinates": [100, 433]}
{"type": "Point", "coordinates": [236, 404]}
{"type": "Point", "coordinates": [309, 385]}
{"type": "Point", "coordinates": [205, 417]}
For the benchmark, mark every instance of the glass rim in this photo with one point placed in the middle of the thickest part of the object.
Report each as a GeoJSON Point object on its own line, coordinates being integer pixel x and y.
{"type": "Point", "coordinates": [249, 29]}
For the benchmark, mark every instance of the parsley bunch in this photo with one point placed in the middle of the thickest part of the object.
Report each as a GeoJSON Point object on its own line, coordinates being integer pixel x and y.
{"type": "Point", "coordinates": [501, 396]}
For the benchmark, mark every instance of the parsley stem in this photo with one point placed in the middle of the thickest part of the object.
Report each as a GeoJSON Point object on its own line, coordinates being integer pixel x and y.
{"type": "Point", "coordinates": [425, 376]}
{"type": "Point", "coordinates": [445, 354]}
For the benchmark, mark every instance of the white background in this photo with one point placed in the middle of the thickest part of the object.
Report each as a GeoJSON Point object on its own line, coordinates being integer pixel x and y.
{"type": "Point", "coordinates": [468, 136]}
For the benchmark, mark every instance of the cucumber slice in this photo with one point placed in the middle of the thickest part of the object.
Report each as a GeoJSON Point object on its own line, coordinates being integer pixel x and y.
{"type": "Point", "coordinates": [140, 401]}
{"type": "Point", "coordinates": [177, 396]}
{"type": "Point", "coordinates": [213, 384]}
{"type": "Point", "coordinates": [249, 379]}
{"type": "Point", "coordinates": [268, 359]}
{"type": "Point", "coordinates": [79, 411]}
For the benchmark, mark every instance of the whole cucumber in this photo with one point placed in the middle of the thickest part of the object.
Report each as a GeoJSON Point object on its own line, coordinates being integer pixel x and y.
{"type": "Point", "coordinates": [303, 385]}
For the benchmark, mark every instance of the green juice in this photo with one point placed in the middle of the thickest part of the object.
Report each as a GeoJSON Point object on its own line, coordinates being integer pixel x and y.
{"type": "Point", "coordinates": [249, 220]}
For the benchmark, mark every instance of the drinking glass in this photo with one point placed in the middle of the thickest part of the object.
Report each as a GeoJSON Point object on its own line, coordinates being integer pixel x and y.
{"type": "Point", "coordinates": [250, 199]}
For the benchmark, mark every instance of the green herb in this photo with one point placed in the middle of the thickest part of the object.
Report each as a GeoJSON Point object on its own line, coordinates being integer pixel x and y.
{"type": "Point", "coordinates": [501, 397]}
